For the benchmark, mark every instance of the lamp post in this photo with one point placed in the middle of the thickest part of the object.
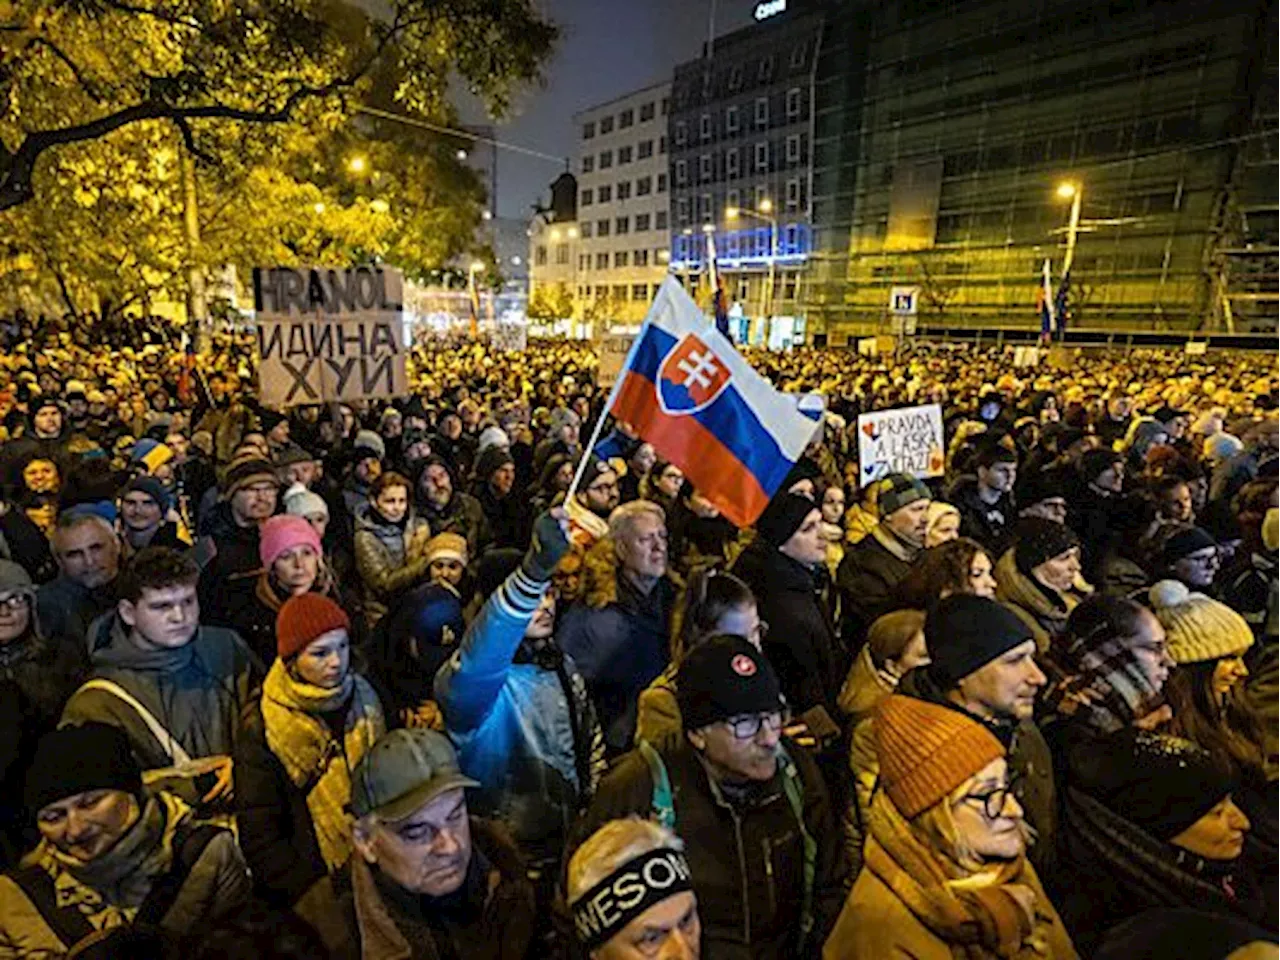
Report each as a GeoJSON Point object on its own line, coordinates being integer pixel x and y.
{"type": "Point", "coordinates": [763, 212]}
{"type": "Point", "coordinates": [1073, 192]}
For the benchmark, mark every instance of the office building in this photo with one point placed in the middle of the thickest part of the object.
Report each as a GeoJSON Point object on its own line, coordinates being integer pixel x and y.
{"type": "Point", "coordinates": [741, 131]}
{"type": "Point", "coordinates": [620, 251]}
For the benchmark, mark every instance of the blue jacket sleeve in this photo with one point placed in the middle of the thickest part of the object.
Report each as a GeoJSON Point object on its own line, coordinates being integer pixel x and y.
{"type": "Point", "coordinates": [467, 686]}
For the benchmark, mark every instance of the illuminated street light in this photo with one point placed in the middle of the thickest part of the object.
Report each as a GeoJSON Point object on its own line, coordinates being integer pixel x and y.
{"type": "Point", "coordinates": [555, 236]}
{"type": "Point", "coordinates": [515, 261]}
{"type": "Point", "coordinates": [664, 255]}
{"type": "Point", "coordinates": [731, 213]}
{"type": "Point", "coordinates": [319, 207]}
{"type": "Point", "coordinates": [1075, 193]}
{"type": "Point", "coordinates": [1066, 190]}
{"type": "Point", "coordinates": [708, 228]}
{"type": "Point", "coordinates": [358, 164]}
{"type": "Point", "coordinates": [461, 154]}
{"type": "Point", "coordinates": [765, 205]}
{"type": "Point", "coordinates": [573, 233]}
{"type": "Point", "coordinates": [476, 266]}
{"type": "Point", "coordinates": [486, 215]}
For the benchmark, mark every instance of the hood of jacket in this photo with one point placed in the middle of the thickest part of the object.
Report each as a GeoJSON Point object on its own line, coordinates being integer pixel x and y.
{"type": "Point", "coordinates": [863, 688]}
{"type": "Point", "coordinates": [1016, 588]}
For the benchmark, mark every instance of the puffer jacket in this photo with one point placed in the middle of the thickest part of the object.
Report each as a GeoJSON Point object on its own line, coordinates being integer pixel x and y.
{"type": "Point", "coordinates": [1032, 603]}
{"type": "Point", "coordinates": [199, 876]}
{"type": "Point", "coordinates": [522, 722]}
{"type": "Point", "coordinates": [196, 691]}
{"type": "Point", "coordinates": [381, 558]}
{"type": "Point", "coordinates": [746, 855]}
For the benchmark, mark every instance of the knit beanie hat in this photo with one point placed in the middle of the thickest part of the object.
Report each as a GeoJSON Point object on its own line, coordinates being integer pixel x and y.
{"type": "Point", "coordinates": [1197, 627]}
{"type": "Point", "coordinates": [562, 417]}
{"type": "Point", "coordinates": [15, 579]}
{"type": "Point", "coordinates": [897, 490]}
{"type": "Point", "coordinates": [284, 532]}
{"type": "Point", "coordinates": [1039, 540]}
{"type": "Point", "coordinates": [783, 517]}
{"type": "Point", "coordinates": [1162, 783]}
{"type": "Point", "coordinates": [301, 502]}
{"type": "Point", "coordinates": [153, 488]}
{"type": "Point", "coordinates": [927, 750]}
{"type": "Point", "coordinates": [1184, 541]}
{"type": "Point", "coordinates": [1095, 462]}
{"type": "Point", "coordinates": [490, 460]}
{"type": "Point", "coordinates": [1221, 446]}
{"type": "Point", "coordinates": [937, 510]}
{"type": "Point", "coordinates": [1037, 486]}
{"type": "Point", "coordinates": [1271, 529]}
{"type": "Point", "coordinates": [151, 453]}
{"type": "Point", "coordinates": [447, 546]}
{"type": "Point", "coordinates": [245, 472]}
{"type": "Point", "coordinates": [368, 444]}
{"type": "Point", "coordinates": [726, 677]}
{"type": "Point", "coordinates": [493, 436]}
{"type": "Point", "coordinates": [437, 616]}
{"type": "Point", "coordinates": [305, 617]}
{"type": "Point", "coordinates": [73, 760]}
{"type": "Point", "coordinates": [964, 632]}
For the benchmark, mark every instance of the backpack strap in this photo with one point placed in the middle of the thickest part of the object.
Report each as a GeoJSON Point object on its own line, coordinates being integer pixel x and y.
{"type": "Point", "coordinates": [168, 742]}
{"type": "Point", "coordinates": [189, 844]}
{"type": "Point", "coordinates": [68, 923]}
{"type": "Point", "coordinates": [662, 804]}
{"type": "Point", "coordinates": [793, 787]}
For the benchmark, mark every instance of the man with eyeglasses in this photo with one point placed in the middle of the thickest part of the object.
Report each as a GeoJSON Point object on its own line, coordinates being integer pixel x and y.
{"type": "Point", "coordinates": [760, 835]}
{"type": "Point", "coordinates": [228, 545]}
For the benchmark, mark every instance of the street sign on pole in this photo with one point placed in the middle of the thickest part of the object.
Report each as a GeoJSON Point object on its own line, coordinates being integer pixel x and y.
{"type": "Point", "coordinates": [903, 301]}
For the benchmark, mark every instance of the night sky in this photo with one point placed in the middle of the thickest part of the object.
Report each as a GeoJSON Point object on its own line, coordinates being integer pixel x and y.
{"type": "Point", "coordinates": [607, 48]}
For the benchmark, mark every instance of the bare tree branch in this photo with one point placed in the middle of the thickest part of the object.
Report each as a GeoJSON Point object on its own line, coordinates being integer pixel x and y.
{"type": "Point", "coordinates": [89, 87]}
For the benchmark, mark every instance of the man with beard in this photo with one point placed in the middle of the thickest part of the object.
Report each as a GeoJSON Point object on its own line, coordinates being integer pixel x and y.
{"type": "Point", "coordinates": [509, 697]}
{"type": "Point", "coordinates": [449, 510]}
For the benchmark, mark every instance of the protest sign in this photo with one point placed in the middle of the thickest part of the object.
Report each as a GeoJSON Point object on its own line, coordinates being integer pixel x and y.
{"type": "Point", "coordinates": [613, 354]}
{"type": "Point", "coordinates": [1025, 357]}
{"type": "Point", "coordinates": [907, 440]}
{"type": "Point", "coordinates": [1196, 348]}
{"type": "Point", "coordinates": [511, 337]}
{"type": "Point", "coordinates": [326, 335]}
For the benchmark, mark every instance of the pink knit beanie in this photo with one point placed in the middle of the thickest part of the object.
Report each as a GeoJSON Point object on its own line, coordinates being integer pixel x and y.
{"type": "Point", "coordinates": [284, 532]}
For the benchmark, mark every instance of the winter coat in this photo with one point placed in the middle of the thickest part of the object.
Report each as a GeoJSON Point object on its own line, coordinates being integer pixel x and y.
{"type": "Point", "coordinates": [988, 523]}
{"type": "Point", "coordinates": [385, 568]}
{"type": "Point", "coordinates": [382, 921]}
{"type": "Point", "coordinates": [863, 690]}
{"type": "Point", "coordinates": [46, 670]}
{"type": "Point", "coordinates": [1089, 514]}
{"type": "Point", "coordinates": [188, 875]}
{"type": "Point", "coordinates": [275, 825]}
{"type": "Point", "coordinates": [226, 548]}
{"type": "Point", "coordinates": [867, 578]}
{"type": "Point", "coordinates": [22, 542]}
{"type": "Point", "coordinates": [658, 716]}
{"type": "Point", "coordinates": [803, 647]}
{"type": "Point", "coordinates": [746, 855]}
{"type": "Point", "coordinates": [619, 640]}
{"type": "Point", "coordinates": [522, 722]}
{"type": "Point", "coordinates": [858, 523]}
{"type": "Point", "coordinates": [66, 609]}
{"type": "Point", "coordinates": [505, 517]}
{"type": "Point", "coordinates": [196, 692]}
{"type": "Point", "coordinates": [1043, 610]}
{"type": "Point", "coordinates": [461, 515]}
{"type": "Point", "coordinates": [249, 606]}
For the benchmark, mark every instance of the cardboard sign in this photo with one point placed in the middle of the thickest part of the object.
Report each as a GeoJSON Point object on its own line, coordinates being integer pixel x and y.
{"type": "Point", "coordinates": [613, 354]}
{"type": "Point", "coordinates": [326, 335]}
{"type": "Point", "coordinates": [1197, 348]}
{"type": "Point", "coordinates": [906, 440]}
{"type": "Point", "coordinates": [1026, 356]}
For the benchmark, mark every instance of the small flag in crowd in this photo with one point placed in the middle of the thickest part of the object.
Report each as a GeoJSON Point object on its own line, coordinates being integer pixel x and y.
{"type": "Point", "coordinates": [687, 391]}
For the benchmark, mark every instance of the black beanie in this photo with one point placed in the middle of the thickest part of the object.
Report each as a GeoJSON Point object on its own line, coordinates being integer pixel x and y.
{"type": "Point", "coordinates": [490, 460]}
{"type": "Point", "coordinates": [964, 632]}
{"type": "Point", "coordinates": [783, 517]}
{"type": "Point", "coordinates": [1162, 783]}
{"type": "Point", "coordinates": [1185, 542]}
{"type": "Point", "coordinates": [75, 760]}
{"type": "Point", "coordinates": [1038, 540]}
{"type": "Point", "coordinates": [1095, 462]}
{"type": "Point", "coordinates": [725, 677]}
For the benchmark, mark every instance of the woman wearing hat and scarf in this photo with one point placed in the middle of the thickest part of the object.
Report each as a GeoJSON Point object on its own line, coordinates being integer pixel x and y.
{"type": "Point", "coordinates": [314, 720]}
{"type": "Point", "coordinates": [111, 854]}
{"type": "Point", "coordinates": [1039, 578]}
{"type": "Point", "coordinates": [946, 873]}
{"type": "Point", "coordinates": [1150, 821]}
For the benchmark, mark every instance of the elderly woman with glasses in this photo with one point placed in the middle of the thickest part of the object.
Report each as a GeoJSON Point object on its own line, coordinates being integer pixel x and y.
{"type": "Point", "coordinates": [945, 872]}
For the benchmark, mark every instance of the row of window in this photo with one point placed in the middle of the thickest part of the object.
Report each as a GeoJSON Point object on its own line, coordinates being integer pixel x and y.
{"type": "Point", "coordinates": [642, 151]}
{"type": "Point", "coordinates": [605, 193]}
{"type": "Point", "coordinates": [697, 89]}
{"type": "Point", "coordinates": [793, 200]}
{"type": "Point", "coordinates": [733, 119]}
{"type": "Point", "coordinates": [619, 226]}
{"type": "Point", "coordinates": [626, 118]}
{"type": "Point", "coordinates": [620, 258]}
{"type": "Point", "coordinates": [638, 292]}
{"type": "Point", "coordinates": [761, 156]}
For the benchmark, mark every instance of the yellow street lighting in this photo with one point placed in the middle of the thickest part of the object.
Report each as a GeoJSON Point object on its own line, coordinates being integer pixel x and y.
{"type": "Point", "coordinates": [319, 207]}
{"type": "Point", "coordinates": [731, 213]}
{"type": "Point", "coordinates": [708, 228]}
{"type": "Point", "coordinates": [358, 164]}
{"type": "Point", "coordinates": [476, 266]}
{"type": "Point", "coordinates": [1066, 190]}
{"type": "Point", "coordinates": [573, 233]}
{"type": "Point", "coordinates": [555, 235]}
{"type": "Point", "coordinates": [486, 215]}
{"type": "Point", "coordinates": [461, 154]}
{"type": "Point", "coordinates": [765, 205]}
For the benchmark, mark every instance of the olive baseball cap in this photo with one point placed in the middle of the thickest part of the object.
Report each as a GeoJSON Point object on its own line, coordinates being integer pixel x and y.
{"type": "Point", "coordinates": [403, 771]}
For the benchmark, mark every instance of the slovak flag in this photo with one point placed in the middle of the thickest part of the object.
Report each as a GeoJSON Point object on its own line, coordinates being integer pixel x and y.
{"type": "Point", "coordinates": [687, 391]}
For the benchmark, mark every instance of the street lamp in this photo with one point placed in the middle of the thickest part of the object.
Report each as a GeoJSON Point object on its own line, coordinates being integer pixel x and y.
{"type": "Point", "coordinates": [1073, 192]}
{"type": "Point", "coordinates": [461, 155]}
{"type": "Point", "coordinates": [358, 163]}
{"type": "Point", "coordinates": [763, 212]}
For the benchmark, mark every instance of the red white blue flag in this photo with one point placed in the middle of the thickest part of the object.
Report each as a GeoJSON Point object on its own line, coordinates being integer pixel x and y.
{"type": "Point", "coordinates": [688, 392]}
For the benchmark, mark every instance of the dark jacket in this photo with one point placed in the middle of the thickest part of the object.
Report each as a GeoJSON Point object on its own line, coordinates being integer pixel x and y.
{"type": "Point", "coordinates": [619, 648]}
{"type": "Point", "coordinates": [66, 609]}
{"type": "Point", "coordinates": [227, 549]}
{"type": "Point", "coordinates": [461, 515]}
{"type": "Point", "coordinates": [867, 578]}
{"type": "Point", "coordinates": [802, 644]}
{"type": "Point", "coordinates": [491, 917]}
{"type": "Point", "coordinates": [988, 523]}
{"type": "Point", "coordinates": [22, 542]}
{"type": "Point", "coordinates": [386, 570]}
{"type": "Point", "coordinates": [1089, 514]}
{"type": "Point", "coordinates": [746, 855]}
{"type": "Point", "coordinates": [505, 517]}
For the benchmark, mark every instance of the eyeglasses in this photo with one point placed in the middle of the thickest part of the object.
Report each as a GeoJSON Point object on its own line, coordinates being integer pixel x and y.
{"type": "Point", "coordinates": [16, 601]}
{"type": "Point", "coordinates": [746, 728]}
{"type": "Point", "coordinates": [993, 802]}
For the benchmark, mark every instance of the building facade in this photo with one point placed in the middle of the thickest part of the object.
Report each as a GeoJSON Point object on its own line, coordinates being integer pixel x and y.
{"type": "Point", "coordinates": [741, 132]}
{"type": "Point", "coordinates": [954, 137]}
{"type": "Point", "coordinates": [620, 253]}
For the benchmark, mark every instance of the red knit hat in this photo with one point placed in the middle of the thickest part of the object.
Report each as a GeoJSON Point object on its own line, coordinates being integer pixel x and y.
{"type": "Point", "coordinates": [305, 617]}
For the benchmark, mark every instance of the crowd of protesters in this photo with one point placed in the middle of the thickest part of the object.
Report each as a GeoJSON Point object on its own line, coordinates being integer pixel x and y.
{"type": "Point", "coordinates": [365, 680]}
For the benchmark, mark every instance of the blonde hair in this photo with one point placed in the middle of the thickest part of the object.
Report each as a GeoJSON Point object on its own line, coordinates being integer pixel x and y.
{"type": "Point", "coordinates": [623, 519]}
{"type": "Point", "coordinates": [614, 844]}
{"type": "Point", "coordinates": [937, 828]}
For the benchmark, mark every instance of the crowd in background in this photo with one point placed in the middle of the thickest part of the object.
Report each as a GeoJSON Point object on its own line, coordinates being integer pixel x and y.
{"type": "Point", "coordinates": [360, 680]}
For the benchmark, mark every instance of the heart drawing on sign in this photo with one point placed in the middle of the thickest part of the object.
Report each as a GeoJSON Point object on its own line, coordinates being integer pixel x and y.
{"type": "Point", "coordinates": [870, 430]}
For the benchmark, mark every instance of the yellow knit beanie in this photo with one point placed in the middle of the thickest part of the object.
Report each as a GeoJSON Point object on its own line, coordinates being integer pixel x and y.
{"type": "Point", "coordinates": [1198, 627]}
{"type": "Point", "coordinates": [926, 751]}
